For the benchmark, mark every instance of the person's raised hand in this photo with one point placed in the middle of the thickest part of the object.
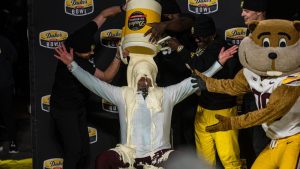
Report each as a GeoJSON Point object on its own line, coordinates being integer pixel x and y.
{"type": "Point", "coordinates": [224, 55]}
{"type": "Point", "coordinates": [156, 31]}
{"type": "Point", "coordinates": [63, 55]}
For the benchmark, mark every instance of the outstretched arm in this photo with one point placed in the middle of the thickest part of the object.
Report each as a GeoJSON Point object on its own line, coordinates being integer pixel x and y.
{"type": "Point", "coordinates": [224, 55]}
{"type": "Point", "coordinates": [234, 87]}
{"type": "Point", "coordinates": [100, 88]}
{"type": "Point", "coordinates": [276, 108]}
{"type": "Point", "coordinates": [107, 75]}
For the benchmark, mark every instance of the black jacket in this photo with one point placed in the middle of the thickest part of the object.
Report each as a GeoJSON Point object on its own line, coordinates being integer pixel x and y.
{"type": "Point", "coordinates": [8, 55]}
{"type": "Point", "coordinates": [67, 92]}
{"type": "Point", "coordinates": [216, 101]}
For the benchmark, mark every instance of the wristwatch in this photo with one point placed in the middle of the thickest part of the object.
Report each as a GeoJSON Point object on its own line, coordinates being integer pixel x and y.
{"type": "Point", "coordinates": [70, 66]}
{"type": "Point", "coordinates": [179, 48]}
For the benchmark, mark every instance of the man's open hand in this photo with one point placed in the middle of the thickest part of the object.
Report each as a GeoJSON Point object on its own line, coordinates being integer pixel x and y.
{"type": "Point", "coordinates": [63, 55]}
{"type": "Point", "coordinates": [224, 55]}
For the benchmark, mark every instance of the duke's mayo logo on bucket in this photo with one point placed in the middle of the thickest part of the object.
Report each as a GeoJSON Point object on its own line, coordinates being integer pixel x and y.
{"type": "Point", "coordinates": [234, 36]}
{"type": "Point", "coordinates": [45, 103]}
{"type": "Point", "coordinates": [110, 38]}
{"type": "Point", "coordinates": [54, 163]}
{"type": "Point", "coordinates": [107, 106]}
{"type": "Point", "coordinates": [137, 20]}
{"type": "Point", "coordinates": [79, 7]}
{"type": "Point", "coordinates": [92, 135]}
{"type": "Point", "coordinates": [203, 6]}
{"type": "Point", "coordinates": [52, 38]}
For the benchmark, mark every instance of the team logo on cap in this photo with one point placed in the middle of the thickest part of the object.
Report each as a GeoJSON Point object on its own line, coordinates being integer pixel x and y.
{"type": "Point", "coordinates": [234, 36]}
{"type": "Point", "coordinates": [92, 135]}
{"type": "Point", "coordinates": [54, 163]}
{"type": "Point", "coordinates": [79, 7]}
{"type": "Point", "coordinates": [137, 20]}
{"type": "Point", "coordinates": [110, 38]}
{"type": "Point", "coordinates": [52, 38]}
{"type": "Point", "coordinates": [203, 6]}
{"type": "Point", "coordinates": [45, 103]}
{"type": "Point", "coordinates": [107, 106]}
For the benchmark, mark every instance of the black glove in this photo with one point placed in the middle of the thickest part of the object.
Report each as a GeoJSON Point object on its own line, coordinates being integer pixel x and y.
{"type": "Point", "coordinates": [198, 82]}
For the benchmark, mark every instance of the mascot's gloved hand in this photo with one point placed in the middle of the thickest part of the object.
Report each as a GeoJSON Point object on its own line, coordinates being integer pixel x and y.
{"type": "Point", "coordinates": [198, 82]}
{"type": "Point", "coordinates": [223, 125]}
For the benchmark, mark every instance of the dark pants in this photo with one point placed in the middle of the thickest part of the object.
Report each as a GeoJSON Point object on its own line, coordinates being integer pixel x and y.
{"type": "Point", "coordinates": [71, 126]}
{"type": "Point", "coordinates": [112, 160]}
{"type": "Point", "coordinates": [6, 111]}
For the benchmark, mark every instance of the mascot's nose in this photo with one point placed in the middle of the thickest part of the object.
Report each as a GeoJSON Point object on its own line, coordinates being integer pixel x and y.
{"type": "Point", "coordinates": [272, 55]}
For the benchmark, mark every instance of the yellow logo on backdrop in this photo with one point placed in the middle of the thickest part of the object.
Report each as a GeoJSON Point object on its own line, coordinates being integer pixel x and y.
{"type": "Point", "coordinates": [54, 163]}
{"type": "Point", "coordinates": [45, 103]}
{"type": "Point", "coordinates": [92, 135]}
{"type": "Point", "coordinates": [111, 37]}
{"type": "Point", "coordinates": [79, 7]}
{"type": "Point", "coordinates": [203, 6]}
{"type": "Point", "coordinates": [234, 36]}
{"type": "Point", "coordinates": [52, 38]}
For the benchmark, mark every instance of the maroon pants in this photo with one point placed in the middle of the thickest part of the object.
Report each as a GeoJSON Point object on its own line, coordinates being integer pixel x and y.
{"type": "Point", "coordinates": [111, 160]}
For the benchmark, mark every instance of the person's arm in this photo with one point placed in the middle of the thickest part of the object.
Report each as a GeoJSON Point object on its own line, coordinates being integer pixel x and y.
{"type": "Point", "coordinates": [113, 68]}
{"type": "Point", "coordinates": [100, 88]}
{"type": "Point", "coordinates": [108, 12]}
{"type": "Point", "coordinates": [181, 90]}
{"type": "Point", "coordinates": [185, 55]}
{"type": "Point", "coordinates": [276, 108]}
{"type": "Point", "coordinates": [176, 25]}
{"type": "Point", "coordinates": [234, 87]}
{"type": "Point", "coordinates": [110, 72]}
{"type": "Point", "coordinates": [224, 55]}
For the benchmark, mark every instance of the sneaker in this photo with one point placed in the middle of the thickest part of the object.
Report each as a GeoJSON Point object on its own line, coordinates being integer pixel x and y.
{"type": "Point", "coordinates": [13, 148]}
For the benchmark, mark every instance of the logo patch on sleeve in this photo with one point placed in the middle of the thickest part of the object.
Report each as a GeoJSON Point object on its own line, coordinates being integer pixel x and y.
{"type": "Point", "coordinates": [292, 80]}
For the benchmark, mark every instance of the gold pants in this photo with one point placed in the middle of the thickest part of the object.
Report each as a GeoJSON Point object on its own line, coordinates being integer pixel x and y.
{"type": "Point", "coordinates": [225, 143]}
{"type": "Point", "coordinates": [284, 154]}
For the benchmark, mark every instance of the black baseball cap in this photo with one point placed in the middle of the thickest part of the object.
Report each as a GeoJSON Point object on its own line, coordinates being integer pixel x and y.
{"type": "Point", "coordinates": [255, 5]}
{"type": "Point", "coordinates": [204, 26]}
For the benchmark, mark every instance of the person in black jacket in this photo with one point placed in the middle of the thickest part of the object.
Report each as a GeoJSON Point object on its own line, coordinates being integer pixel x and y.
{"type": "Point", "coordinates": [207, 54]}
{"type": "Point", "coordinates": [209, 104]}
{"type": "Point", "coordinates": [69, 96]}
{"type": "Point", "coordinates": [8, 55]}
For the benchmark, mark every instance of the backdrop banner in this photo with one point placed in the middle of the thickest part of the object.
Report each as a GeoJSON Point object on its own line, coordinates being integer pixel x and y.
{"type": "Point", "coordinates": [50, 23]}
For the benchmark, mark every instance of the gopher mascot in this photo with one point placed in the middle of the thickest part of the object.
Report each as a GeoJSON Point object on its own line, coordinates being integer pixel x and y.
{"type": "Point", "coordinates": [270, 56]}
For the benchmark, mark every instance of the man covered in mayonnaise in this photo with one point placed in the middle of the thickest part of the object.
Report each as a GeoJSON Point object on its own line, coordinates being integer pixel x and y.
{"type": "Point", "coordinates": [145, 111]}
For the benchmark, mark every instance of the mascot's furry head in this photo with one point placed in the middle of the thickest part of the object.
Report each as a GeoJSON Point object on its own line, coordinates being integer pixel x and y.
{"type": "Point", "coordinates": [272, 48]}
